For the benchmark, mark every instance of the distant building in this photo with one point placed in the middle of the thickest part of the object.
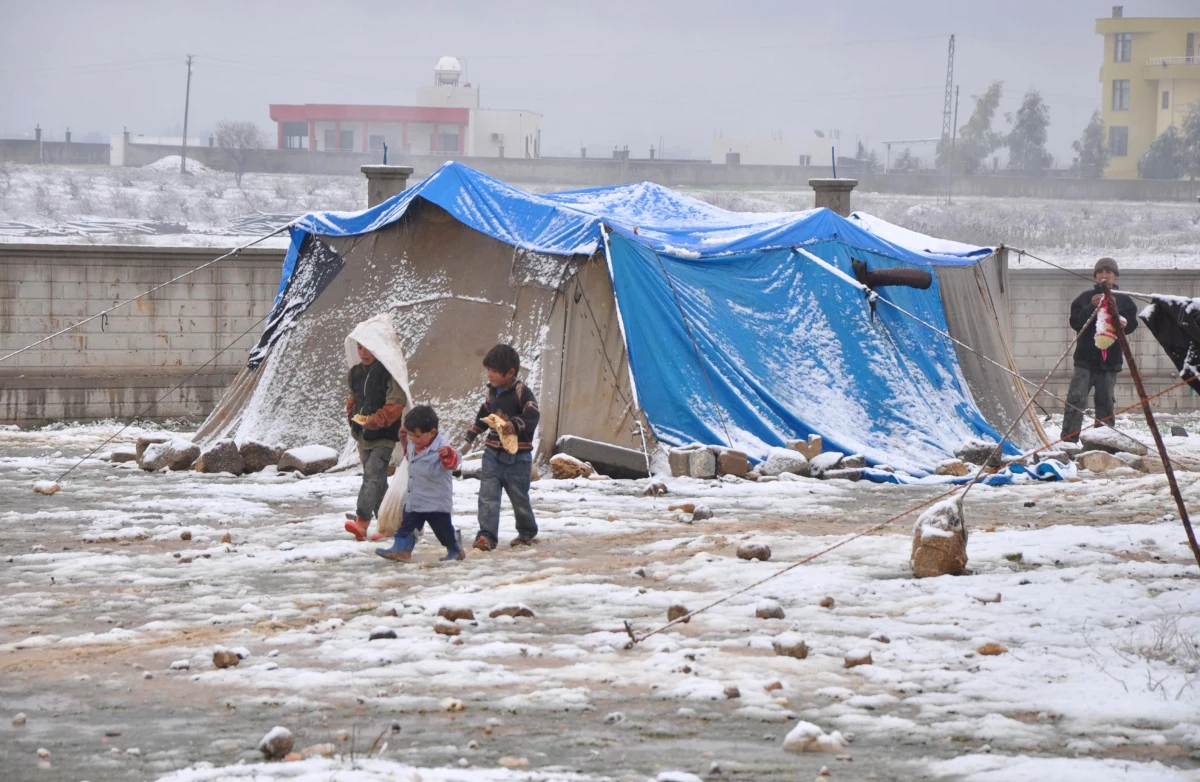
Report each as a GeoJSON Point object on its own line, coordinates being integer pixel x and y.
{"type": "Point", "coordinates": [447, 120]}
{"type": "Point", "coordinates": [1149, 76]}
{"type": "Point", "coordinates": [774, 152]}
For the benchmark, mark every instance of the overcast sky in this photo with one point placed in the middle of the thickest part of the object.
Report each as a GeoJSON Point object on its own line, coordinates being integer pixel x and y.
{"type": "Point", "coordinates": [601, 73]}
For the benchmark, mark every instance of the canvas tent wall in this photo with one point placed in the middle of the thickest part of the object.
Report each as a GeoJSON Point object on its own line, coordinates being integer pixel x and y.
{"type": "Point", "coordinates": [599, 290]}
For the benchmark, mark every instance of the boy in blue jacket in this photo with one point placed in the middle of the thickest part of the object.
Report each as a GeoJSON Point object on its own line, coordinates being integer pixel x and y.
{"type": "Point", "coordinates": [430, 494]}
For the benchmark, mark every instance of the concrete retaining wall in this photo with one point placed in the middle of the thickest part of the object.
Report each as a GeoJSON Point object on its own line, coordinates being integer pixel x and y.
{"type": "Point", "coordinates": [13, 150]}
{"type": "Point", "coordinates": [115, 368]}
{"type": "Point", "coordinates": [1041, 302]}
{"type": "Point", "coordinates": [596, 172]}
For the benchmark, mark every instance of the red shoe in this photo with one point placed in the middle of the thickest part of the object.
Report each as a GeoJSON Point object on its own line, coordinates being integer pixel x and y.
{"type": "Point", "coordinates": [358, 528]}
{"type": "Point", "coordinates": [484, 543]}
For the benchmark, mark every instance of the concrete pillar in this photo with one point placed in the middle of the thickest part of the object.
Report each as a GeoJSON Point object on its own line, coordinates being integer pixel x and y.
{"type": "Point", "coordinates": [37, 134]}
{"type": "Point", "coordinates": [68, 135]}
{"type": "Point", "coordinates": [833, 194]}
{"type": "Point", "coordinates": [383, 182]}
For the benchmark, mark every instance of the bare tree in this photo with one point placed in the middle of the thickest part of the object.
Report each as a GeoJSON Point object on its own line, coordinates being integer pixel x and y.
{"type": "Point", "coordinates": [238, 141]}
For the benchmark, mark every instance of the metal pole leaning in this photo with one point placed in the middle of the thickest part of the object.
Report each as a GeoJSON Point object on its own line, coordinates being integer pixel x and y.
{"type": "Point", "coordinates": [1111, 301]}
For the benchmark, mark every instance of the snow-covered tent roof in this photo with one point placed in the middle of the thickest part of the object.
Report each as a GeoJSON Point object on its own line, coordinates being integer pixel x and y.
{"type": "Point", "coordinates": [733, 334]}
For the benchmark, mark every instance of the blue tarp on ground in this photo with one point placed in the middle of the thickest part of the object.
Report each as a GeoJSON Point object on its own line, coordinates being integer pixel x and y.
{"type": "Point", "coordinates": [786, 346]}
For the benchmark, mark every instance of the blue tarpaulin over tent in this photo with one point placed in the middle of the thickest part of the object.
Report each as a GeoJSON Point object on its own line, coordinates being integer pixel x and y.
{"type": "Point", "coordinates": [735, 334]}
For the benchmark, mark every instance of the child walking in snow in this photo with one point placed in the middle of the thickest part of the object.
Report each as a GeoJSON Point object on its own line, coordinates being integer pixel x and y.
{"type": "Point", "coordinates": [511, 401]}
{"type": "Point", "coordinates": [373, 410]}
{"type": "Point", "coordinates": [430, 494]}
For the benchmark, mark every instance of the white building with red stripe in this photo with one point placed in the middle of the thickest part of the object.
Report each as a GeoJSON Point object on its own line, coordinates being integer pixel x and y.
{"type": "Point", "coordinates": [447, 120]}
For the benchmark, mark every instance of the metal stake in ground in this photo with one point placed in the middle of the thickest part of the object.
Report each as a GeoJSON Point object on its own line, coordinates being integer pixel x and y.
{"type": "Point", "coordinates": [1158, 441]}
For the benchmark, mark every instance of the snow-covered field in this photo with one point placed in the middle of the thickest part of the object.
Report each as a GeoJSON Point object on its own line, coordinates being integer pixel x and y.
{"type": "Point", "coordinates": [109, 620]}
{"type": "Point", "coordinates": [207, 208]}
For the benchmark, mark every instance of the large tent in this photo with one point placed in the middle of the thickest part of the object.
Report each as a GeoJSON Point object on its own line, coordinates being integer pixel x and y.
{"type": "Point", "coordinates": [634, 304]}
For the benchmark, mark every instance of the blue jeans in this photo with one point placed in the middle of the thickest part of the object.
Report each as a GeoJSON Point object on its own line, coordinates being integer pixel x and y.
{"type": "Point", "coordinates": [1082, 382]}
{"type": "Point", "coordinates": [442, 526]}
{"type": "Point", "coordinates": [510, 473]}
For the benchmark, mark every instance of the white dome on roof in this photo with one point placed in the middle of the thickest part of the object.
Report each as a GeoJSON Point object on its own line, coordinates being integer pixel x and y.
{"type": "Point", "coordinates": [447, 71]}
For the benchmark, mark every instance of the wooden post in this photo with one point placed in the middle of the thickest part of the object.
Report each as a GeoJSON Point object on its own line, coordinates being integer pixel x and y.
{"type": "Point", "coordinates": [1158, 441]}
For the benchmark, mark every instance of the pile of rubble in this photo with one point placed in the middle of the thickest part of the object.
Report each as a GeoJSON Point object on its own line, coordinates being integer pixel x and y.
{"type": "Point", "coordinates": [799, 459]}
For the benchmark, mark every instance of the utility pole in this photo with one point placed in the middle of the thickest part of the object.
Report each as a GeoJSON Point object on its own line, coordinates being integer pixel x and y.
{"type": "Point", "coordinates": [953, 138]}
{"type": "Point", "coordinates": [187, 99]}
{"type": "Point", "coordinates": [946, 106]}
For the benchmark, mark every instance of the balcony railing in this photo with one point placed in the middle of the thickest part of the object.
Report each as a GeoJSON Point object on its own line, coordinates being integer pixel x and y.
{"type": "Point", "coordinates": [1165, 61]}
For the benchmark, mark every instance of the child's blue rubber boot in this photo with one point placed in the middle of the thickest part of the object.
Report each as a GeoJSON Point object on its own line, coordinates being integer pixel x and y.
{"type": "Point", "coordinates": [401, 550]}
{"type": "Point", "coordinates": [456, 552]}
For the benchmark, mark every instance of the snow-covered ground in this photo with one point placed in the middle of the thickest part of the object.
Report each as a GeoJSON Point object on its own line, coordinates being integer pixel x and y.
{"type": "Point", "coordinates": [109, 619]}
{"type": "Point", "coordinates": [159, 206]}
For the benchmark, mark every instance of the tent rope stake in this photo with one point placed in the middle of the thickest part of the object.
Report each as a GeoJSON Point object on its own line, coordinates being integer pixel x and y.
{"type": "Point", "coordinates": [1111, 301]}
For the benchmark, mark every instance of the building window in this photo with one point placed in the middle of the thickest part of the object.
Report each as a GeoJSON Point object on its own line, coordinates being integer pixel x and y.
{"type": "Point", "coordinates": [1118, 140]}
{"type": "Point", "coordinates": [448, 142]}
{"type": "Point", "coordinates": [806, 160]}
{"type": "Point", "coordinates": [295, 135]}
{"type": "Point", "coordinates": [1123, 49]}
{"type": "Point", "coordinates": [334, 142]}
{"type": "Point", "coordinates": [1120, 95]}
{"type": "Point", "coordinates": [347, 140]}
{"type": "Point", "coordinates": [1166, 99]}
{"type": "Point", "coordinates": [376, 143]}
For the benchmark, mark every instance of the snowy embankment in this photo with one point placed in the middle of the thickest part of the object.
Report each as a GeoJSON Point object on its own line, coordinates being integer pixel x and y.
{"type": "Point", "coordinates": [157, 205]}
{"type": "Point", "coordinates": [1069, 652]}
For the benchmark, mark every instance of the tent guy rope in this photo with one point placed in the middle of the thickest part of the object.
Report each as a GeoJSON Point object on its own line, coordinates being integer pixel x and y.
{"type": "Point", "coordinates": [635, 639]}
{"type": "Point", "coordinates": [173, 280]}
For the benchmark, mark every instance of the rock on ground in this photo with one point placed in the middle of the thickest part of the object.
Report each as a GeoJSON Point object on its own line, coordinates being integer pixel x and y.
{"type": "Point", "coordinates": [1104, 438]}
{"type": "Point", "coordinates": [1098, 461]}
{"type": "Point", "coordinates": [564, 467]}
{"type": "Point", "coordinates": [175, 454]}
{"type": "Point", "coordinates": [734, 463]}
{"type": "Point", "coordinates": [760, 551]}
{"type": "Point", "coordinates": [123, 455]}
{"type": "Point", "coordinates": [790, 645]}
{"type": "Point", "coordinates": [781, 460]}
{"type": "Point", "coordinates": [857, 657]}
{"type": "Point", "coordinates": [224, 658]}
{"type": "Point", "coordinates": [955, 467]}
{"type": "Point", "coordinates": [693, 461]}
{"type": "Point", "coordinates": [511, 610]}
{"type": "Point", "coordinates": [830, 460]}
{"type": "Point", "coordinates": [277, 743]}
{"type": "Point", "coordinates": [146, 440]}
{"type": "Point", "coordinates": [221, 456]}
{"type": "Point", "coordinates": [258, 456]}
{"type": "Point", "coordinates": [446, 627]}
{"type": "Point", "coordinates": [768, 609]}
{"type": "Point", "coordinates": [382, 633]}
{"type": "Point", "coordinates": [977, 451]}
{"type": "Point", "coordinates": [701, 513]}
{"type": "Point", "coordinates": [454, 613]}
{"type": "Point", "coordinates": [939, 544]}
{"type": "Point", "coordinates": [807, 737]}
{"type": "Point", "coordinates": [809, 448]}
{"type": "Point", "coordinates": [1178, 431]}
{"type": "Point", "coordinates": [855, 461]}
{"type": "Point", "coordinates": [842, 474]}
{"type": "Point", "coordinates": [677, 610]}
{"type": "Point", "coordinates": [308, 459]}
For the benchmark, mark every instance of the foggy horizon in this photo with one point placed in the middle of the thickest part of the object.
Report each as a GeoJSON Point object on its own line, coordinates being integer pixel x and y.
{"type": "Point", "coordinates": [602, 75]}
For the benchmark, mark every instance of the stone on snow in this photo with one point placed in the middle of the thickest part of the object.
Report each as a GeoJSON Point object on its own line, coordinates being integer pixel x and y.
{"type": "Point", "coordinates": [939, 545]}
{"type": "Point", "coordinates": [308, 459]}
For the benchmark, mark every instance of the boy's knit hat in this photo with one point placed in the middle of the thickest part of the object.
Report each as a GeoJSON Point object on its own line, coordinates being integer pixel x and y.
{"type": "Point", "coordinates": [1106, 264]}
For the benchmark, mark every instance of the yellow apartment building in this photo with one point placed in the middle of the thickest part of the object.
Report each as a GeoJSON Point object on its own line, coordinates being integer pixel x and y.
{"type": "Point", "coordinates": [1149, 76]}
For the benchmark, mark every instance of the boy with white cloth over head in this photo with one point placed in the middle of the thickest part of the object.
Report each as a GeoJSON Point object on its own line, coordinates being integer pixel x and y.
{"type": "Point", "coordinates": [378, 380]}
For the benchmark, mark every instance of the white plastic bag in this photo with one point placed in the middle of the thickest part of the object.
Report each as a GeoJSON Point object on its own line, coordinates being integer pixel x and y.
{"type": "Point", "coordinates": [391, 512]}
